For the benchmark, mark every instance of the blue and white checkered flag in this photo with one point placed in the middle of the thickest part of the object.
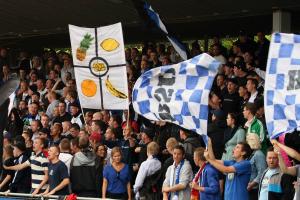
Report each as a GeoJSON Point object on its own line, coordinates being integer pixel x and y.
{"type": "Point", "coordinates": [177, 93]}
{"type": "Point", "coordinates": [282, 85]}
{"type": "Point", "coordinates": [178, 46]}
{"type": "Point", "coordinates": [150, 16]}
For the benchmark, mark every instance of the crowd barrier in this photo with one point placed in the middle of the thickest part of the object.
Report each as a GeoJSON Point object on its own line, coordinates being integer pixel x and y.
{"type": "Point", "coordinates": [19, 196]}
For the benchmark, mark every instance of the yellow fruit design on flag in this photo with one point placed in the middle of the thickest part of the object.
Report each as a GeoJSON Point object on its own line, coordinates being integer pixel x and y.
{"type": "Point", "coordinates": [98, 67]}
{"type": "Point", "coordinates": [109, 44]}
{"type": "Point", "coordinates": [114, 91]}
{"type": "Point", "coordinates": [88, 88]}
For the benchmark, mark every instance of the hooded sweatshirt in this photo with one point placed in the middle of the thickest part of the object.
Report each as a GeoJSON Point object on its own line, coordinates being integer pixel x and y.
{"type": "Point", "coordinates": [66, 158]}
{"type": "Point", "coordinates": [83, 174]}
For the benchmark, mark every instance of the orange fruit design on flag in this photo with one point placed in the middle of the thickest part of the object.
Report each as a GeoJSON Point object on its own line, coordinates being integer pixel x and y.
{"type": "Point", "coordinates": [88, 88]}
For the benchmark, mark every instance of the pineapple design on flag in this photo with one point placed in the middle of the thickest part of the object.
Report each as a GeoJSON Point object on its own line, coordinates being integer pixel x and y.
{"type": "Point", "coordinates": [100, 66]}
{"type": "Point", "coordinates": [84, 46]}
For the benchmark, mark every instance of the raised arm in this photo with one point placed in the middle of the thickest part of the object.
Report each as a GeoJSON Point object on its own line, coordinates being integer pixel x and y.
{"type": "Point", "coordinates": [211, 152]}
{"type": "Point", "coordinates": [287, 170]}
{"type": "Point", "coordinates": [291, 152]}
{"type": "Point", "coordinates": [220, 166]}
{"type": "Point", "coordinates": [210, 149]}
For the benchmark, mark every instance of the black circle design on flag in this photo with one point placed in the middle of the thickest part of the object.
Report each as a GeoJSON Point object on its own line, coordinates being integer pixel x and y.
{"type": "Point", "coordinates": [98, 66]}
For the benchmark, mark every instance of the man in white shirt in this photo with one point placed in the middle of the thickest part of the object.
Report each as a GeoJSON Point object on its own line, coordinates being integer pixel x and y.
{"type": "Point", "coordinates": [178, 177]}
{"type": "Point", "coordinates": [270, 182]}
{"type": "Point", "coordinates": [217, 54]}
{"type": "Point", "coordinates": [252, 89]}
{"type": "Point", "coordinates": [149, 167]}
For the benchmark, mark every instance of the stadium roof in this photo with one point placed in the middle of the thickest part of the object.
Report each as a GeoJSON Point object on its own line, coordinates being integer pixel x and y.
{"type": "Point", "coordinates": [47, 20]}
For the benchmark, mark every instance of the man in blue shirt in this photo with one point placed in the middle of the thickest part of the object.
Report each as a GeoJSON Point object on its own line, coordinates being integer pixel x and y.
{"type": "Point", "coordinates": [237, 171]}
{"type": "Point", "coordinates": [58, 174]}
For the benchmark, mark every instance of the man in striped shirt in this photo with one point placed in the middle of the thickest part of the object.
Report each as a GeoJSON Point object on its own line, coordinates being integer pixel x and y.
{"type": "Point", "coordinates": [39, 167]}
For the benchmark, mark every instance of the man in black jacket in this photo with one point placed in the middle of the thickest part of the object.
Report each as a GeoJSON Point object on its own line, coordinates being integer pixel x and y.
{"type": "Point", "coordinates": [231, 100]}
{"type": "Point", "coordinates": [21, 181]}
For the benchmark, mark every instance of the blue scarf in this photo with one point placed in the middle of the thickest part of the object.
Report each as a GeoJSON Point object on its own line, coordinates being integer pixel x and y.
{"type": "Point", "coordinates": [177, 174]}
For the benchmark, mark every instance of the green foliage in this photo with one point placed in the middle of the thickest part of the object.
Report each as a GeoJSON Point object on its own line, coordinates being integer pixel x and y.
{"type": "Point", "coordinates": [86, 41]}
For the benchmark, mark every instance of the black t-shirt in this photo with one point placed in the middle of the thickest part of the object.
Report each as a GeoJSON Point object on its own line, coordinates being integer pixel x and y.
{"type": "Point", "coordinates": [57, 172]}
{"type": "Point", "coordinates": [8, 162]}
{"type": "Point", "coordinates": [231, 103]}
{"type": "Point", "coordinates": [61, 119]}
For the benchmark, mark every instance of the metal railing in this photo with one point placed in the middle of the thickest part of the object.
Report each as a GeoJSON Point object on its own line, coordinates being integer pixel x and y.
{"type": "Point", "coordinates": [18, 196]}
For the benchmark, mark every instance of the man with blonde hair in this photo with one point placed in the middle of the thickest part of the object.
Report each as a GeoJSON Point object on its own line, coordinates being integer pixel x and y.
{"type": "Point", "coordinates": [97, 116]}
{"type": "Point", "coordinates": [206, 187]}
{"type": "Point", "coordinates": [258, 164]}
{"type": "Point", "coordinates": [148, 174]}
{"type": "Point", "coordinates": [170, 144]}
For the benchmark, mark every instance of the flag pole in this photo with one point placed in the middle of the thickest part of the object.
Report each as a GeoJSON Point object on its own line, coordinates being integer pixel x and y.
{"type": "Point", "coordinates": [85, 124]}
{"type": "Point", "coordinates": [128, 112]}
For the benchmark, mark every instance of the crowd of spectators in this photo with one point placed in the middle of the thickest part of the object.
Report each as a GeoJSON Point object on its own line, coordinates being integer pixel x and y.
{"type": "Point", "coordinates": [54, 147]}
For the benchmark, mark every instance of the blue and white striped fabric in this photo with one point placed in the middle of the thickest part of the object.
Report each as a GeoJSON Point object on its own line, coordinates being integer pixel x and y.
{"type": "Point", "coordinates": [177, 93]}
{"type": "Point", "coordinates": [282, 85]}
{"type": "Point", "coordinates": [178, 46]}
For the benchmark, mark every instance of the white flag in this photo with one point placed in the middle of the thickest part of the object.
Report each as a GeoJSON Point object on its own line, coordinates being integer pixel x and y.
{"type": "Point", "coordinates": [100, 66]}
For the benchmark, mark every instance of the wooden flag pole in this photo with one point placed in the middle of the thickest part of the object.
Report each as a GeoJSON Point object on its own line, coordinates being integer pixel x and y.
{"type": "Point", "coordinates": [128, 113]}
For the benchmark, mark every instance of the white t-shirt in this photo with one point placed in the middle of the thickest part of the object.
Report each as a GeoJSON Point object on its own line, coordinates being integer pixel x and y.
{"type": "Point", "coordinates": [263, 195]}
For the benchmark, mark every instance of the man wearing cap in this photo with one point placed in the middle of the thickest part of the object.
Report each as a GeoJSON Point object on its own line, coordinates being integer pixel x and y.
{"type": "Point", "coordinates": [231, 100]}
{"type": "Point", "coordinates": [21, 180]}
{"type": "Point", "coordinates": [240, 72]}
{"type": "Point", "coordinates": [39, 167]}
{"type": "Point", "coordinates": [147, 136]}
{"type": "Point", "coordinates": [77, 116]}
